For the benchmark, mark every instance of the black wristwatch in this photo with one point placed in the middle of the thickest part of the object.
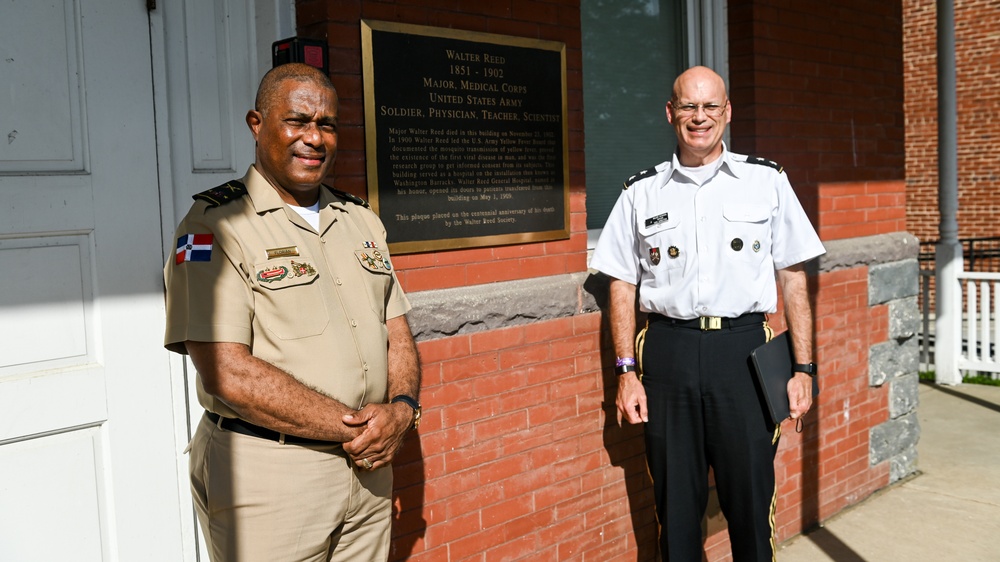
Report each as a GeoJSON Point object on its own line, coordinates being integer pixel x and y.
{"type": "Point", "coordinates": [807, 368]}
{"type": "Point", "coordinates": [411, 403]}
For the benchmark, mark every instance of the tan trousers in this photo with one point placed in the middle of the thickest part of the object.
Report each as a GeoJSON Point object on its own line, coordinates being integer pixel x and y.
{"type": "Point", "coordinates": [260, 500]}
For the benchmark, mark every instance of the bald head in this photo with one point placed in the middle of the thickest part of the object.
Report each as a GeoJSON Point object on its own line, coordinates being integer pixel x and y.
{"type": "Point", "coordinates": [699, 110]}
{"type": "Point", "coordinates": [296, 71]}
{"type": "Point", "coordinates": [698, 81]}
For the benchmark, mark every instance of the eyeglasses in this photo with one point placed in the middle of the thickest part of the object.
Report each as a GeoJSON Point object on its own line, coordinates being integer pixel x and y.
{"type": "Point", "coordinates": [711, 109]}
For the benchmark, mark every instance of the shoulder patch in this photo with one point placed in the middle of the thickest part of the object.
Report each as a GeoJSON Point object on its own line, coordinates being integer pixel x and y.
{"type": "Point", "coordinates": [350, 197]}
{"type": "Point", "coordinates": [638, 176]}
{"type": "Point", "coordinates": [765, 162]}
{"type": "Point", "coordinates": [229, 191]}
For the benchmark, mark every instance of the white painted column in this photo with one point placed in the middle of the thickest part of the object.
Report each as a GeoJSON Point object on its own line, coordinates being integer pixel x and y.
{"type": "Point", "coordinates": [948, 256]}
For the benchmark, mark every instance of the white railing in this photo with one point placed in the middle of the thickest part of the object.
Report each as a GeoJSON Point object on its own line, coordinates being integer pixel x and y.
{"type": "Point", "coordinates": [982, 323]}
{"type": "Point", "coordinates": [979, 341]}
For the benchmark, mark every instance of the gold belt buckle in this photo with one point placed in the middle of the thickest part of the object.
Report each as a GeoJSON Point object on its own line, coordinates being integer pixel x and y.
{"type": "Point", "coordinates": [710, 322]}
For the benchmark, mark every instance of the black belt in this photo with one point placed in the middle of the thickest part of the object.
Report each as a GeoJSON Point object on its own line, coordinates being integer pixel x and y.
{"type": "Point", "coordinates": [706, 323]}
{"type": "Point", "coordinates": [242, 427]}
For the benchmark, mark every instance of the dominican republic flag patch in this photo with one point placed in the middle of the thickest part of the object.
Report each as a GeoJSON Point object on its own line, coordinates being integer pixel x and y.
{"type": "Point", "coordinates": [194, 247]}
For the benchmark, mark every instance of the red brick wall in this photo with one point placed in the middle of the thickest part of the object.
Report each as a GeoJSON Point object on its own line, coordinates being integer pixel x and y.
{"type": "Point", "coordinates": [977, 53]}
{"type": "Point", "coordinates": [817, 87]}
{"type": "Point", "coordinates": [339, 23]}
{"type": "Point", "coordinates": [853, 209]}
{"type": "Point", "coordinates": [519, 455]}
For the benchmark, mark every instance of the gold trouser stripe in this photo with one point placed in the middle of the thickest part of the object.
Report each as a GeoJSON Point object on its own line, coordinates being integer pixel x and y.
{"type": "Point", "coordinates": [774, 505]}
{"type": "Point", "coordinates": [640, 341]}
{"type": "Point", "coordinates": [769, 333]}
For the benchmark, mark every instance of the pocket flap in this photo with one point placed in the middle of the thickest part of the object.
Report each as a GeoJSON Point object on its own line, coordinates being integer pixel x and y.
{"type": "Point", "coordinates": [746, 212]}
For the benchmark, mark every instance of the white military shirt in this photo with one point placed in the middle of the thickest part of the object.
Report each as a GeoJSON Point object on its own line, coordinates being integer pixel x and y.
{"type": "Point", "coordinates": [708, 250]}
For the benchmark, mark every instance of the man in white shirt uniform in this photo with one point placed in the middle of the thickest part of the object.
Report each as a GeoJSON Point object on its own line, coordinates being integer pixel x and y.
{"type": "Point", "coordinates": [703, 237]}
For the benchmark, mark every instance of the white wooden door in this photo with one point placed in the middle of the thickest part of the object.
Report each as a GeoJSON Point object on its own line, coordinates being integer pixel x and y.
{"type": "Point", "coordinates": [88, 451]}
{"type": "Point", "coordinates": [208, 57]}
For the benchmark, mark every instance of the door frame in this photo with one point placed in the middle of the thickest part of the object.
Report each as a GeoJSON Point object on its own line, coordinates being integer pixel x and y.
{"type": "Point", "coordinates": [273, 20]}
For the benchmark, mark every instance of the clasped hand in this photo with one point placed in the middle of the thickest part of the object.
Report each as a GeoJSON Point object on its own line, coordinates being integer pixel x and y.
{"type": "Point", "coordinates": [383, 428]}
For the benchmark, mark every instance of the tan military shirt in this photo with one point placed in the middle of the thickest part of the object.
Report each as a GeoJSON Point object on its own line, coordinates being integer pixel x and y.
{"type": "Point", "coordinates": [252, 271]}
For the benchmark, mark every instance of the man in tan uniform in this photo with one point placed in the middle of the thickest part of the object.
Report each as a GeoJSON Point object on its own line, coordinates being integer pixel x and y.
{"type": "Point", "coordinates": [284, 295]}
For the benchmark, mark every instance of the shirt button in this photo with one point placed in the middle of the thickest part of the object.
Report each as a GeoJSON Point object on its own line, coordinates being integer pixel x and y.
{"type": "Point", "coordinates": [338, 281]}
{"type": "Point", "coordinates": [365, 366]}
{"type": "Point", "coordinates": [354, 323]}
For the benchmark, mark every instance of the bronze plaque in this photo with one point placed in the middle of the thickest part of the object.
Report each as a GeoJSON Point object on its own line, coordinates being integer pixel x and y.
{"type": "Point", "coordinates": [466, 137]}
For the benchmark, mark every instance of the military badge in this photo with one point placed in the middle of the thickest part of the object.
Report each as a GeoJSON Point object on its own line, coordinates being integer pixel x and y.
{"type": "Point", "coordinates": [301, 269]}
{"type": "Point", "coordinates": [374, 260]}
{"type": "Point", "coordinates": [272, 274]}
{"type": "Point", "coordinates": [756, 245]}
{"type": "Point", "coordinates": [654, 256]}
{"type": "Point", "coordinates": [673, 252]}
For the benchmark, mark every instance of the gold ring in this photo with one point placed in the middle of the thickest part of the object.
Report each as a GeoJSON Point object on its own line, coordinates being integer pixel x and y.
{"type": "Point", "coordinates": [368, 464]}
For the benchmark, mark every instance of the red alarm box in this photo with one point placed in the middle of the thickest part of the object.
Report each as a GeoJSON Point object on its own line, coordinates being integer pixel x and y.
{"type": "Point", "coordinates": [297, 49]}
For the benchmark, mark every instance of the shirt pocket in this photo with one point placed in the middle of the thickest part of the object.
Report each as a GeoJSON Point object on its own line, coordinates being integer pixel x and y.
{"type": "Point", "coordinates": [661, 244]}
{"type": "Point", "coordinates": [377, 275]}
{"type": "Point", "coordinates": [747, 231]}
{"type": "Point", "coordinates": [289, 300]}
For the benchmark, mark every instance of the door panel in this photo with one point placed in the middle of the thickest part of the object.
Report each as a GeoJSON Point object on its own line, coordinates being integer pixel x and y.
{"type": "Point", "coordinates": [79, 519]}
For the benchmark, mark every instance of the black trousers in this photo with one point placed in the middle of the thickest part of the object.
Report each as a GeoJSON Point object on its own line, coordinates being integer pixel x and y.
{"type": "Point", "coordinates": [705, 410]}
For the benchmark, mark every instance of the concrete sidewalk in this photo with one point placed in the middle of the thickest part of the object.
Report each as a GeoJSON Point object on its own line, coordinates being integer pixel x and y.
{"type": "Point", "coordinates": [949, 510]}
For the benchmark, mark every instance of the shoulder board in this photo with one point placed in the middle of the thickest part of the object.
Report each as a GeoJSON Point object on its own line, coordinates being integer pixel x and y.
{"type": "Point", "coordinates": [638, 176]}
{"type": "Point", "coordinates": [765, 162]}
{"type": "Point", "coordinates": [350, 197]}
{"type": "Point", "coordinates": [229, 191]}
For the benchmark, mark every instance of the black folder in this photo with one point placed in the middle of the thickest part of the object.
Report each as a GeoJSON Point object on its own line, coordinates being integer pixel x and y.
{"type": "Point", "coordinates": [773, 366]}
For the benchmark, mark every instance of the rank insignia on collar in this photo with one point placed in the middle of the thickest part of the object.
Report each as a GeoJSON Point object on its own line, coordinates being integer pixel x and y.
{"type": "Point", "coordinates": [673, 252]}
{"type": "Point", "coordinates": [654, 256]}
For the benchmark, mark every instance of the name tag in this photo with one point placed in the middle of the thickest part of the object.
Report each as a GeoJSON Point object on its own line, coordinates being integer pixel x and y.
{"type": "Point", "coordinates": [282, 252]}
{"type": "Point", "coordinates": [656, 220]}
